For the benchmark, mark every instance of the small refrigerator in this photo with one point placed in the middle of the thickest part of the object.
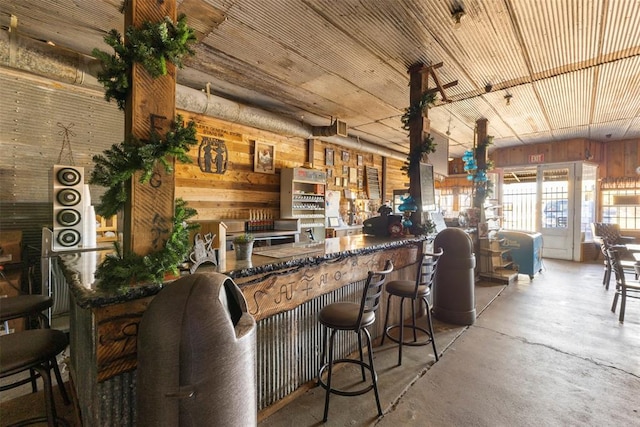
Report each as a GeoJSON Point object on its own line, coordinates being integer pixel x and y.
{"type": "Point", "coordinates": [525, 249]}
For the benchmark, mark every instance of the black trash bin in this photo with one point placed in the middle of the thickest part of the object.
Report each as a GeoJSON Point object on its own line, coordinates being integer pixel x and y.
{"type": "Point", "coordinates": [196, 356]}
{"type": "Point", "coordinates": [453, 287]}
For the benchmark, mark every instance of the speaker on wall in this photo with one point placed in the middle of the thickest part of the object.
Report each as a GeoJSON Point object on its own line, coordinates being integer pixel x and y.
{"type": "Point", "coordinates": [68, 207]}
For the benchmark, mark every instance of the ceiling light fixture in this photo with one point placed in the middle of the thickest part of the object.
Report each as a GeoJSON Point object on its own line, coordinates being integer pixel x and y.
{"type": "Point", "coordinates": [507, 98]}
{"type": "Point", "coordinates": [457, 15]}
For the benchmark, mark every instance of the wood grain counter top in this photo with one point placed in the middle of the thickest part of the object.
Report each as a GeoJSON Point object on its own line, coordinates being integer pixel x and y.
{"type": "Point", "coordinates": [79, 267]}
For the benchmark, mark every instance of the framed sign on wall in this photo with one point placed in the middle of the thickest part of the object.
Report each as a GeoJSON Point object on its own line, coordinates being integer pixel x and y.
{"type": "Point", "coordinates": [264, 159]}
{"type": "Point", "coordinates": [328, 157]}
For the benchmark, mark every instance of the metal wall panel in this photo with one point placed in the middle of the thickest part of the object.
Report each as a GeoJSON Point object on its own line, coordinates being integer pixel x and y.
{"type": "Point", "coordinates": [289, 346]}
{"type": "Point", "coordinates": [34, 114]}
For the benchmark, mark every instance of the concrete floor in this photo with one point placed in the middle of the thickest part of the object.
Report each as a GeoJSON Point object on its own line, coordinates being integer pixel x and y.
{"type": "Point", "coordinates": [544, 352]}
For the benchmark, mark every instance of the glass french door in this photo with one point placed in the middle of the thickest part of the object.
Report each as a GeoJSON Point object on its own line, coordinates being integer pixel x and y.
{"type": "Point", "coordinates": [556, 200]}
{"type": "Point", "coordinates": [556, 210]}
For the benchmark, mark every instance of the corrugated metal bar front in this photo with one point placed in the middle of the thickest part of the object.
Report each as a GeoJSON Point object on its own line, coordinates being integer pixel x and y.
{"type": "Point", "coordinates": [290, 343]}
{"type": "Point", "coordinates": [118, 401]}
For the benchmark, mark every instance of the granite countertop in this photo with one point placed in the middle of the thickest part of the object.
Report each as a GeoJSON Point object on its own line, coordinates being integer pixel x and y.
{"type": "Point", "coordinates": [80, 267]}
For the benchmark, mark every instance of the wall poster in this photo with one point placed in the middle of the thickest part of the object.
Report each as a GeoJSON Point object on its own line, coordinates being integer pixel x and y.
{"type": "Point", "coordinates": [264, 159]}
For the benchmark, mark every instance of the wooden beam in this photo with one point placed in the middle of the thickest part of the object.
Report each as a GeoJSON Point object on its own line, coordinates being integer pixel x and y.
{"type": "Point", "coordinates": [149, 108]}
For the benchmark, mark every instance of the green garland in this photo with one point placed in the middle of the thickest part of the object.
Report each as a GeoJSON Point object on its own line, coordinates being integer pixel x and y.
{"type": "Point", "coordinates": [413, 112]}
{"type": "Point", "coordinates": [119, 270]}
{"type": "Point", "coordinates": [152, 46]}
{"type": "Point", "coordinates": [483, 189]}
{"type": "Point", "coordinates": [415, 155]}
{"type": "Point", "coordinates": [416, 109]}
{"type": "Point", "coordinates": [429, 227]}
{"type": "Point", "coordinates": [119, 163]}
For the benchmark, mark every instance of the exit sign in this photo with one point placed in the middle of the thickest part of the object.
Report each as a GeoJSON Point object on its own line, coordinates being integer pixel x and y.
{"type": "Point", "coordinates": [536, 158]}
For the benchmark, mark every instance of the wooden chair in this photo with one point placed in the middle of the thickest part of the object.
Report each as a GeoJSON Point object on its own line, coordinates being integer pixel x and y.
{"type": "Point", "coordinates": [624, 289]}
{"type": "Point", "coordinates": [355, 317]}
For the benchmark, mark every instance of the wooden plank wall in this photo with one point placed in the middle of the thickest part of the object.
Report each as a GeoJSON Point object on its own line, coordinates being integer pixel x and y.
{"type": "Point", "coordinates": [554, 152]}
{"type": "Point", "coordinates": [240, 189]}
{"type": "Point", "coordinates": [395, 180]}
{"type": "Point", "coordinates": [621, 158]}
{"type": "Point", "coordinates": [233, 194]}
{"type": "Point", "coordinates": [616, 159]}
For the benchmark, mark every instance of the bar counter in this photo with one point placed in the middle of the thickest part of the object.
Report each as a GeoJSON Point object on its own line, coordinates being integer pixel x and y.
{"type": "Point", "coordinates": [285, 287]}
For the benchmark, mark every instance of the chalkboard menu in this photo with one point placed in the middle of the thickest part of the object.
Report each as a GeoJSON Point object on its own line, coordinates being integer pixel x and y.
{"type": "Point", "coordinates": [427, 189]}
{"type": "Point", "coordinates": [373, 183]}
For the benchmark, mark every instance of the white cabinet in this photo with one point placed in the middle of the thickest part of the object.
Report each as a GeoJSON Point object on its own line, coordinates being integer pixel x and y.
{"type": "Point", "coordinates": [302, 194]}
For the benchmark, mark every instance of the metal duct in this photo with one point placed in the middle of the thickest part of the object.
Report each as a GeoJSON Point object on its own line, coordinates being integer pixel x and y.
{"type": "Point", "coordinates": [196, 101]}
{"type": "Point", "coordinates": [37, 57]}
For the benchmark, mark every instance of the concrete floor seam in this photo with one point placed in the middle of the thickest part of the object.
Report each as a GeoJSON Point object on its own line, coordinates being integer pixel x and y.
{"type": "Point", "coordinates": [586, 359]}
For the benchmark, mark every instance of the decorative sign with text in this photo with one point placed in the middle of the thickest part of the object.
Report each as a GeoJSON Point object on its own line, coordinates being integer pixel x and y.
{"type": "Point", "coordinates": [536, 158]}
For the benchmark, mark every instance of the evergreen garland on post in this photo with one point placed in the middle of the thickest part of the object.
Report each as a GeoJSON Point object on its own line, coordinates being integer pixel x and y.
{"type": "Point", "coordinates": [414, 111]}
{"type": "Point", "coordinates": [119, 163]}
{"type": "Point", "coordinates": [121, 270]}
{"type": "Point", "coordinates": [152, 45]}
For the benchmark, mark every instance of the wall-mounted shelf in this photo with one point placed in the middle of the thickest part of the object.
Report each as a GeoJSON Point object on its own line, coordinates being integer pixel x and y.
{"type": "Point", "coordinates": [302, 196]}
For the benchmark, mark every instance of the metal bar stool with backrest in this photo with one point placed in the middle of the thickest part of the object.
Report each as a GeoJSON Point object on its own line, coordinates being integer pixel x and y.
{"type": "Point", "coordinates": [609, 236]}
{"type": "Point", "coordinates": [414, 290]}
{"type": "Point", "coordinates": [349, 316]}
{"type": "Point", "coordinates": [32, 350]}
{"type": "Point", "coordinates": [27, 307]}
{"type": "Point", "coordinates": [628, 266]}
{"type": "Point", "coordinates": [624, 288]}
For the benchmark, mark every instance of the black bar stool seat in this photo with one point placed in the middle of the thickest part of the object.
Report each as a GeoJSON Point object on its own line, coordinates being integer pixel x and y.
{"type": "Point", "coordinates": [23, 306]}
{"type": "Point", "coordinates": [34, 349]}
{"type": "Point", "coordinates": [344, 315]}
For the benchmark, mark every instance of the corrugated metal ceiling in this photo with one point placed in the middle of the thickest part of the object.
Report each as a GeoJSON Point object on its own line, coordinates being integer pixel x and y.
{"type": "Point", "coordinates": [571, 67]}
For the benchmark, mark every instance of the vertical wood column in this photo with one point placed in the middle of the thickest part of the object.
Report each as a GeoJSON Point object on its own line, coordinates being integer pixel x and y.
{"type": "Point", "coordinates": [481, 157]}
{"type": "Point", "coordinates": [150, 107]}
{"type": "Point", "coordinates": [481, 149]}
{"type": "Point", "coordinates": [418, 131]}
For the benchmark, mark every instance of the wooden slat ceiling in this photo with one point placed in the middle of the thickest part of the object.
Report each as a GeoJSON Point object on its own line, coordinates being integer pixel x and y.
{"type": "Point", "coordinates": [571, 67]}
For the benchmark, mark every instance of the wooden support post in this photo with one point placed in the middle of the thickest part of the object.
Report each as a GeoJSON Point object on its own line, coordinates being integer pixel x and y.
{"type": "Point", "coordinates": [481, 150]}
{"type": "Point", "coordinates": [420, 127]}
{"type": "Point", "coordinates": [418, 131]}
{"type": "Point", "coordinates": [149, 108]}
{"type": "Point", "coordinates": [481, 156]}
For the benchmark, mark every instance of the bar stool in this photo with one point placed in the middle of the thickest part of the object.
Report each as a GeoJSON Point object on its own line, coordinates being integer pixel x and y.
{"type": "Point", "coordinates": [414, 290]}
{"type": "Point", "coordinates": [348, 316]}
{"type": "Point", "coordinates": [34, 350]}
{"type": "Point", "coordinates": [24, 306]}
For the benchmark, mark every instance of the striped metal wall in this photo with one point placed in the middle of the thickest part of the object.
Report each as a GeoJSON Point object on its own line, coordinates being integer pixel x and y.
{"type": "Point", "coordinates": [288, 356]}
{"type": "Point", "coordinates": [289, 346]}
